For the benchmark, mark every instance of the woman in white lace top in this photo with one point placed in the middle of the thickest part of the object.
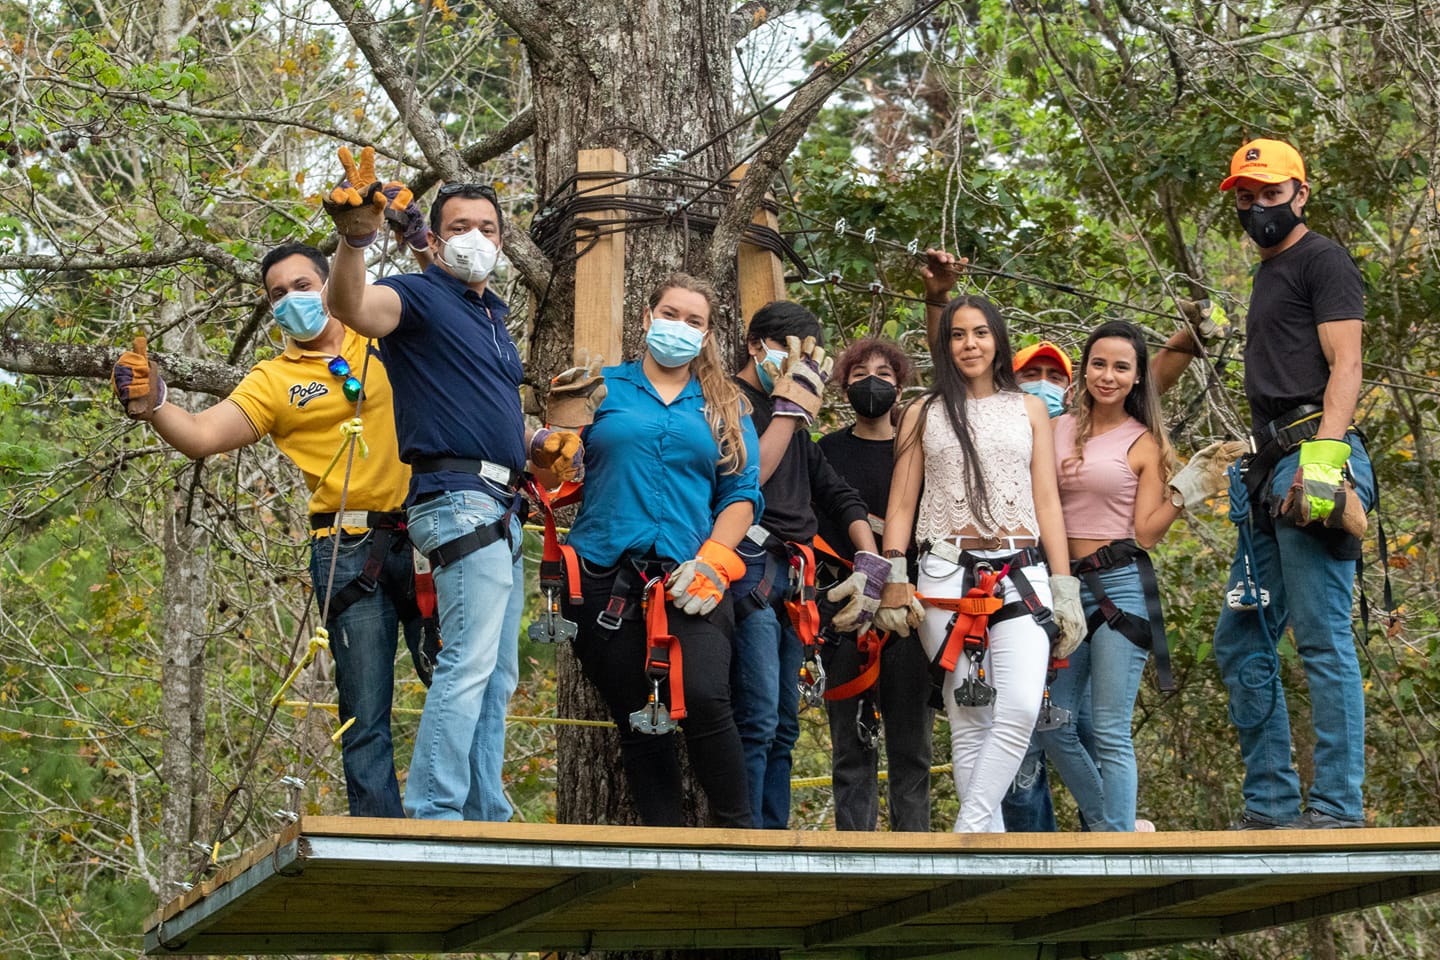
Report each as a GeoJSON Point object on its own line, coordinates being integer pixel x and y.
{"type": "Point", "coordinates": [986, 457]}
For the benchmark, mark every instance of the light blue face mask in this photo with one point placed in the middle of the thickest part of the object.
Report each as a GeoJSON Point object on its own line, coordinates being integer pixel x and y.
{"type": "Point", "coordinates": [1052, 394]}
{"type": "Point", "coordinates": [777, 357]}
{"type": "Point", "coordinates": [673, 343]}
{"type": "Point", "coordinates": [300, 314]}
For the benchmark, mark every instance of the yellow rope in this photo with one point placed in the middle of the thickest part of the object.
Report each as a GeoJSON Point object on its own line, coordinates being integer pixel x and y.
{"type": "Point", "coordinates": [353, 430]}
{"type": "Point", "coordinates": [800, 783]}
{"type": "Point", "coordinates": [320, 641]}
{"type": "Point", "coordinates": [796, 783]}
{"type": "Point", "coordinates": [553, 721]}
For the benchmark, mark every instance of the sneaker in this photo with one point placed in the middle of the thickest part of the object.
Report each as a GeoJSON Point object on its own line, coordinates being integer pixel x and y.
{"type": "Point", "coordinates": [1144, 826]}
{"type": "Point", "coordinates": [1313, 819]}
{"type": "Point", "coordinates": [1253, 821]}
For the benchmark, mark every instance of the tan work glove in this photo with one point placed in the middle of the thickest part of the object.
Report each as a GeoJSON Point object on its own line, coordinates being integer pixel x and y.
{"type": "Point", "coordinates": [899, 612]}
{"type": "Point", "coordinates": [800, 384]}
{"type": "Point", "coordinates": [1205, 475]}
{"type": "Point", "coordinates": [575, 395]}
{"type": "Point", "coordinates": [137, 383]}
{"type": "Point", "coordinates": [1069, 614]}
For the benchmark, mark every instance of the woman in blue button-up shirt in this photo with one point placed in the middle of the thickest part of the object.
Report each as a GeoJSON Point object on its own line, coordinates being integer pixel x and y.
{"type": "Point", "coordinates": [671, 473]}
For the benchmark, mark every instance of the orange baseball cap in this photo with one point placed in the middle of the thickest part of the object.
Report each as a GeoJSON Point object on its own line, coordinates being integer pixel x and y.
{"type": "Point", "coordinates": [1035, 351]}
{"type": "Point", "coordinates": [1269, 161]}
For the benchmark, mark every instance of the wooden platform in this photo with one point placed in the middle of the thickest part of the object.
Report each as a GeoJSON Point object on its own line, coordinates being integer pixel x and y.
{"type": "Point", "coordinates": [341, 885]}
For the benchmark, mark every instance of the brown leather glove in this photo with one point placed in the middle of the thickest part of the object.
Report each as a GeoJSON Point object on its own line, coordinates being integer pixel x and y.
{"type": "Point", "coordinates": [358, 205]}
{"type": "Point", "coordinates": [575, 395]}
{"type": "Point", "coordinates": [137, 383]}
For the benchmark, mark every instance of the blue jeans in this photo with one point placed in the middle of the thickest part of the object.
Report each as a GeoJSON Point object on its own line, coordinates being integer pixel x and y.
{"type": "Point", "coordinates": [1028, 807]}
{"type": "Point", "coordinates": [456, 771]}
{"type": "Point", "coordinates": [362, 640]}
{"type": "Point", "coordinates": [1110, 666]}
{"type": "Point", "coordinates": [1311, 592]}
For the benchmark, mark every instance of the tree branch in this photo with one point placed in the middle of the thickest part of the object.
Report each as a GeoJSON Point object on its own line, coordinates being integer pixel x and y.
{"type": "Point", "coordinates": [185, 250]}
{"type": "Point", "coordinates": [387, 65]}
{"type": "Point", "coordinates": [83, 360]}
{"type": "Point", "coordinates": [525, 18]}
{"type": "Point", "coordinates": [529, 259]}
{"type": "Point", "coordinates": [788, 130]}
{"type": "Point", "coordinates": [750, 16]}
{"type": "Point", "coordinates": [488, 147]}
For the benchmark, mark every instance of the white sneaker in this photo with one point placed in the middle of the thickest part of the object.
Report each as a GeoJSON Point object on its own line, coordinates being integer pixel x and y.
{"type": "Point", "coordinates": [1144, 826]}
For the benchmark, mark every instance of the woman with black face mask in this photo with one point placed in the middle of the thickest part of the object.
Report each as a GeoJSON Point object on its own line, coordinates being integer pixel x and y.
{"type": "Point", "coordinates": [871, 372]}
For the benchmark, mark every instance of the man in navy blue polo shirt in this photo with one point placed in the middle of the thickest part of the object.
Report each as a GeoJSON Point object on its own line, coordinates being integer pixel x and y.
{"type": "Point", "coordinates": [455, 377]}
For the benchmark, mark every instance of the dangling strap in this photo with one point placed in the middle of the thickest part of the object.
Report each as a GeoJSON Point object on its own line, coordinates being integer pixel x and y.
{"type": "Point", "coordinates": [559, 566]}
{"type": "Point", "coordinates": [871, 644]}
{"type": "Point", "coordinates": [662, 649]}
{"type": "Point", "coordinates": [803, 611]}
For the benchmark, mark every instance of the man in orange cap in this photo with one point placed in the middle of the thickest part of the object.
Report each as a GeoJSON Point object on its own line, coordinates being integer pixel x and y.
{"type": "Point", "coordinates": [1302, 381]}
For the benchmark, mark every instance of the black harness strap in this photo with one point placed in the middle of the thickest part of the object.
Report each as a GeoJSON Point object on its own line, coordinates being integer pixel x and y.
{"type": "Point", "coordinates": [1146, 634]}
{"type": "Point", "coordinates": [382, 541]}
{"type": "Point", "coordinates": [479, 538]}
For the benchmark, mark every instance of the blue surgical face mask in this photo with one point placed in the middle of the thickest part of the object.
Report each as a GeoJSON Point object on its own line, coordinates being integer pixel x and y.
{"type": "Point", "coordinates": [673, 343]}
{"type": "Point", "coordinates": [777, 357]}
{"type": "Point", "coordinates": [1052, 394]}
{"type": "Point", "coordinates": [300, 314]}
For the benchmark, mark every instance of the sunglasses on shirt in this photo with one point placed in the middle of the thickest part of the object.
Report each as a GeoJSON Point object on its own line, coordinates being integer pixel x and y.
{"type": "Point", "coordinates": [340, 367]}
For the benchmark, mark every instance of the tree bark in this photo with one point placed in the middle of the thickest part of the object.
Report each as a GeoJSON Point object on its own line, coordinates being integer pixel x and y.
{"type": "Point", "coordinates": [85, 360]}
{"type": "Point", "coordinates": [624, 82]}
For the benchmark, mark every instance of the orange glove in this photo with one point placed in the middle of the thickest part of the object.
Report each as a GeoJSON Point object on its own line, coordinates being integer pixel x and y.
{"type": "Point", "coordinates": [559, 451]}
{"type": "Point", "coordinates": [137, 383]}
{"type": "Point", "coordinates": [696, 586]}
{"type": "Point", "coordinates": [358, 205]}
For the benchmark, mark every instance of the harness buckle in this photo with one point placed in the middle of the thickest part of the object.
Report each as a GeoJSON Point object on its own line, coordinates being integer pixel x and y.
{"type": "Point", "coordinates": [867, 723]}
{"type": "Point", "coordinates": [551, 626]}
{"type": "Point", "coordinates": [812, 681]}
{"type": "Point", "coordinates": [1051, 717]}
{"type": "Point", "coordinates": [974, 691]}
{"type": "Point", "coordinates": [612, 616]}
{"type": "Point", "coordinates": [654, 717]}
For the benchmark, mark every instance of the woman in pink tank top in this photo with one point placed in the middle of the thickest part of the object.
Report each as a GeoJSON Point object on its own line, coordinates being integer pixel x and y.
{"type": "Point", "coordinates": [1114, 463]}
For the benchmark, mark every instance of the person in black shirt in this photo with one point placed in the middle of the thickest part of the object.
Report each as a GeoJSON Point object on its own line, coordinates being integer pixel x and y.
{"type": "Point", "coordinates": [784, 381]}
{"type": "Point", "coordinates": [1302, 380]}
{"type": "Point", "coordinates": [871, 373]}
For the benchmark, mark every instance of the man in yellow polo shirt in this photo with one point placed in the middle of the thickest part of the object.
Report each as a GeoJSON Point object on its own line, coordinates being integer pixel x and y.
{"type": "Point", "coordinates": [301, 398]}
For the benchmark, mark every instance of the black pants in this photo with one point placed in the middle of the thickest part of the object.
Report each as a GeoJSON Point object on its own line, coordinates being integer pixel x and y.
{"type": "Point", "coordinates": [615, 663]}
{"type": "Point", "coordinates": [900, 694]}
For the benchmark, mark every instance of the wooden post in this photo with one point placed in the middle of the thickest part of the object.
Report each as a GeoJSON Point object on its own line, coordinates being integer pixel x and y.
{"type": "Point", "coordinates": [761, 274]}
{"type": "Point", "coordinates": [600, 272]}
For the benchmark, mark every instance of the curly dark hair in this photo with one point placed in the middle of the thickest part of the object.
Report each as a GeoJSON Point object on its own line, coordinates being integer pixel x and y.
{"type": "Point", "coordinates": [862, 350]}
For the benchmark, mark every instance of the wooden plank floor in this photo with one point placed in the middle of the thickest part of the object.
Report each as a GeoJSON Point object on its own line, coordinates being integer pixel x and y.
{"type": "Point", "coordinates": [343, 885]}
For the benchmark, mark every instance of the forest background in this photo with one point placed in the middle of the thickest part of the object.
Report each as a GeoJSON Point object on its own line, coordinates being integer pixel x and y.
{"type": "Point", "coordinates": [152, 151]}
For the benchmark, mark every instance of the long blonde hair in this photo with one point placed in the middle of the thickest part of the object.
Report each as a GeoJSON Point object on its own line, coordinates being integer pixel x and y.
{"type": "Point", "coordinates": [725, 406]}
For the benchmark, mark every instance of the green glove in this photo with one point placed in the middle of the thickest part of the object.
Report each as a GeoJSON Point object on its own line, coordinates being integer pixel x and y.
{"type": "Point", "coordinates": [1319, 491]}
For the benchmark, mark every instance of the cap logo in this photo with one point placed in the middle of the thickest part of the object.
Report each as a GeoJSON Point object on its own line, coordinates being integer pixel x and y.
{"type": "Point", "coordinates": [1252, 154]}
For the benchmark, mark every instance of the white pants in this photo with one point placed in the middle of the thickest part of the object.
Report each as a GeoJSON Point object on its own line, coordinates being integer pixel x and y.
{"type": "Point", "coordinates": [987, 744]}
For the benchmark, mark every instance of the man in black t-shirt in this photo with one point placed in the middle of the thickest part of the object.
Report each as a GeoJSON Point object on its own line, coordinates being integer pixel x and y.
{"type": "Point", "coordinates": [1302, 381]}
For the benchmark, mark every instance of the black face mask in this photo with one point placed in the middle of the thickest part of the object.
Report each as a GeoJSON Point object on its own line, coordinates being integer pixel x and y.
{"type": "Point", "coordinates": [1268, 226]}
{"type": "Point", "coordinates": [872, 397]}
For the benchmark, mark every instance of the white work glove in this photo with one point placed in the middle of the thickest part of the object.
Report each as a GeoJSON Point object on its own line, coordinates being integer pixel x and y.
{"type": "Point", "coordinates": [1069, 615]}
{"type": "Point", "coordinates": [899, 611]}
{"type": "Point", "coordinates": [799, 387]}
{"type": "Point", "coordinates": [863, 589]}
{"type": "Point", "coordinates": [1204, 476]}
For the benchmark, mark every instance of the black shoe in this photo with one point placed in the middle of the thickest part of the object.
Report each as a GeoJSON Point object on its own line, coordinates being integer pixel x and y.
{"type": "Point", "coordinates": [1313, 819]}
{"type": "Point", "coordinates": [1253, 821]}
